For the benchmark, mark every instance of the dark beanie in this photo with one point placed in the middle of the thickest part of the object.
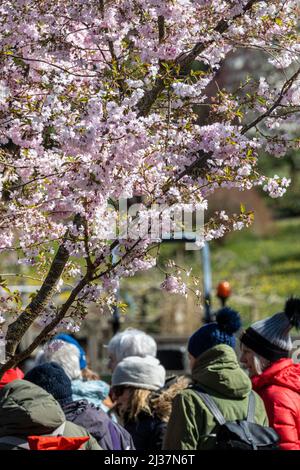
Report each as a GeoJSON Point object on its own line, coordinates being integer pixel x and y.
{"type": "Point", "coordinates": [270, 337]}
{"type": "Point", "coordinates": [52, 378]}
{"type": "Point", "coordinates": [219, 332]}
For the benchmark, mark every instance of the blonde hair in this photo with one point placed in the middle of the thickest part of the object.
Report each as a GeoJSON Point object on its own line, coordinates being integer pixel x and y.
{"type": "Point", "coordinates": [163, 402]}
{"type": "Point", "coordinates": [137, 401]}
{"type": "Point", "coordinates": [152, 403]}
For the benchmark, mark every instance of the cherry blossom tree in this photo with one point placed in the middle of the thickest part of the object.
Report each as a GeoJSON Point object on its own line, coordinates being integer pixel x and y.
{"type": "Point", "coordinates": [98, 103]}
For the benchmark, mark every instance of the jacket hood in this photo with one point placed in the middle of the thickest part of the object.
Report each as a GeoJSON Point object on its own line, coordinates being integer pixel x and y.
{"type": "Point", "coordinates": [218, 372]}
{"type": "Point", "coordinates": [26, 409]}
{"type": "Point", "coordinates": [95, 391]}
{"type": "Point", "coordinates": [161, 402]}
{"type": "Point", "coordinates": [283, 373]}
{"type": "Point", "coordinates": [87, 415]}
{"type": "Point", "coordinates": [83, 413]}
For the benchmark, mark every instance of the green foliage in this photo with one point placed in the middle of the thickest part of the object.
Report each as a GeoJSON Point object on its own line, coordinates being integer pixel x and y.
{"type": "Point", "coordinates": [262, 271]}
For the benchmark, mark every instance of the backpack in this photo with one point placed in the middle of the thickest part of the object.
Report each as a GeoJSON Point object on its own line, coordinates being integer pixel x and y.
{"type": "Point", "coordinates": [52, 441]}
{"type": "Point", "coordinates": [240, 434]}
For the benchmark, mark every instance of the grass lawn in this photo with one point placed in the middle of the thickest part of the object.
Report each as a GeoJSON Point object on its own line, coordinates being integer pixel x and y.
{"type": "Point", "coordinates": [262, 271]}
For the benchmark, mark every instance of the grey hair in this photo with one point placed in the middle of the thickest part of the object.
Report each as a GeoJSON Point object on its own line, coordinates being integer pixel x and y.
{"type": "Point", "coordinates": [132, 342]}
{"type": "Point", "coordinates": [64, 354]}
{"type": "Point", "coordinates": [260, 363]}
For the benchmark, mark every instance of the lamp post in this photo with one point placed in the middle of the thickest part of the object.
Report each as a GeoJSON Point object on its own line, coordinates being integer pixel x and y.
{"type": "Point", "coordinates": [223, 292]}
{"type": "Point", "coordinates": [116, 323]}
{"type": "Point", "coordinates": [190, 237]}
{"type": "Point", "coordinates": [207, 282]}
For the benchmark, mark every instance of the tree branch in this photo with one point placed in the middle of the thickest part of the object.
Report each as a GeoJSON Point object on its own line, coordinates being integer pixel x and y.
{"type": "Point", "coordinates": [14, 360]}
{"type": "Point", "coordinates": [161, 28]}
{"type": "Point", "coordinates": [184, 61]}
{"type": "Point", "coordinates": [287, 85]}
{"type": "Point", "coordinates": [18, 328]}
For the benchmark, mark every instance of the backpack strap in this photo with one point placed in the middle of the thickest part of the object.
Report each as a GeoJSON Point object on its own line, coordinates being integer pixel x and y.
{"type": "Point", "coordinates": [251, 408]}
{"type": "Point", "coordinates": [211, 405]}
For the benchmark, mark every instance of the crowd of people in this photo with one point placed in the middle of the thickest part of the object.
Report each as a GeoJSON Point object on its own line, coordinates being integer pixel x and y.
{"type": "Point", "coordinates": [249, 400]}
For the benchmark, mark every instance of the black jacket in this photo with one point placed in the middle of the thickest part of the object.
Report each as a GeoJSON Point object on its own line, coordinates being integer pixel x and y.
{"type": "Point", "coordinates": [147, 431]}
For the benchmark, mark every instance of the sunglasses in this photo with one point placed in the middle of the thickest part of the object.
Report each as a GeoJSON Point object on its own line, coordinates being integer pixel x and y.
{"type": "Point", "coordinates": [118, 390]}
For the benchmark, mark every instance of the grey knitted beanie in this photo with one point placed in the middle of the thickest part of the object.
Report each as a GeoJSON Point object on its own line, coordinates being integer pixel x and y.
{"type": "Point", "coordinates": [139, 372]}
{"type": "Point", "coordinates": [270, 337]}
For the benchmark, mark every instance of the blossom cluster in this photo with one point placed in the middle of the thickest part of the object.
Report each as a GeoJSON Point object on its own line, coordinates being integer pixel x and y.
{"type": "Point", "coordinates": [97, 103]}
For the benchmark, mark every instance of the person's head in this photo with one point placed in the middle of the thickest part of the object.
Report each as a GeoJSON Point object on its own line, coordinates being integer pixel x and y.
{"type": "Point", "coordinates": [65, 354]}
{"type": "Point", "coordinates": [130, 342]}
{"type": "Point", "coordinates": [52, 378]}
{"type": "Point", "coordinates": [254, 363]}
{"type": "Point", "coordinates": [268, 340]}
{"type": "Point", "coordinates": [69, 339]}
{"type": "Point", "coordinates": [134, 380]}
{"type": "Point", "coordinates": [221, 331]}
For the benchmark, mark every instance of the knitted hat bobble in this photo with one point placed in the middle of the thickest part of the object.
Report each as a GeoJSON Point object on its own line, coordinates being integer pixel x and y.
{"type": "Point", "coordinates": [292, 311]}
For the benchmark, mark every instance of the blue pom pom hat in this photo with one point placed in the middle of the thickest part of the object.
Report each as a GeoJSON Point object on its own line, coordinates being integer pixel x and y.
{"type": "Point", "coordinates": [221, 331]}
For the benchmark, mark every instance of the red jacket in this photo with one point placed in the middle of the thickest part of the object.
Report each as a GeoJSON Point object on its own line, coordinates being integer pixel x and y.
{"type": "Point", "coordinates": [10, 375]}
{"type": "Point", "coordinates": [279, 387]}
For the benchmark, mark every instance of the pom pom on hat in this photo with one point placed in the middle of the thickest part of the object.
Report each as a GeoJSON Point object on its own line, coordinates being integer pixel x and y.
{"type": "Point", "coordinates": [292, 311]}
{"type": "Point", "coordinates": [228, 320]}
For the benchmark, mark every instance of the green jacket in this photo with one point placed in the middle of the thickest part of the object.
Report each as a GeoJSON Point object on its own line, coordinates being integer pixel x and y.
{"type": "Point", "coordinates": [218, 373]}
{"type": "Point", "coordinates": [26, 409]}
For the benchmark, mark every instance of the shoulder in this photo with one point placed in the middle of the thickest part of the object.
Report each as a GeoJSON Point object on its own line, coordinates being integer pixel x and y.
{"type": "Point", "coordinates": [188, 403]}
{"type": "Point", "coordinates": [189, 395]}
{"type": "Point", "coordinates": [74, 430]}
{"type": "Point", "coordinates": [281, 397]}
{"type": "Point", "coordinates": [96, 412]}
